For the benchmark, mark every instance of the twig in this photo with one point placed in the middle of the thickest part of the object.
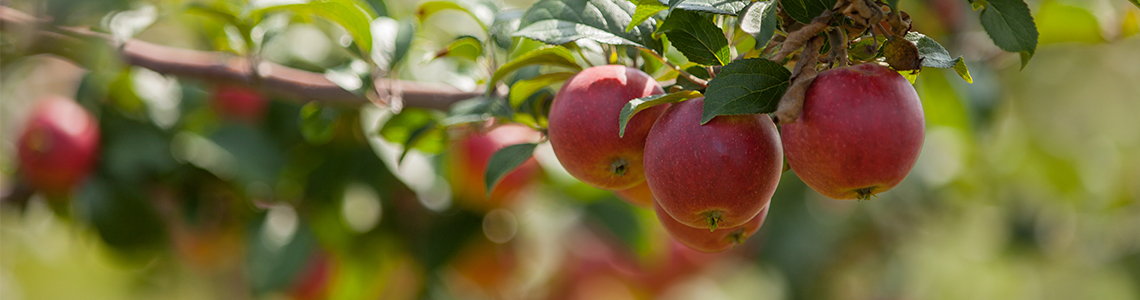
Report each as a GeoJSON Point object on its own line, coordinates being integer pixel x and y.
{"type": "Point", "coordinates": [798, 38]}
{"type": "Point", "coordinates": [701, 82]}
{"type": "Point", "coordinates": [838, 54]}
{"type": "Point", "coordinates": [295, 84]}
{"type": "Point", "coordinates": [791, 104]}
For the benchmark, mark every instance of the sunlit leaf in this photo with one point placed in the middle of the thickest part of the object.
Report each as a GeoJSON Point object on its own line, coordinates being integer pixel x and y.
{"type": "Point", "coordinates": [522, 89]}
{"type": "Point", "coordinates": [350, 15]}
{"type": "Point", "coordinates": [558, 22]}
{"type": "Point", "coordinates": [645, 10]}
{"type": "Point", "coordinates": [467, 47]}
{"type": "Point", "coordinates": [759, 20]}
{"type": "Point", "coordinates": [723, 7]}
{"type": "Point", "coordinates": [697, 37]}
{"type": "Point", "coordinates": [548, 55]}
{"type": "Point", "coordinates": [635, 106]}
{"type": "Point", "coordinates": [427, 9]}
{"type": "Point", "coordinates": [935, 56]}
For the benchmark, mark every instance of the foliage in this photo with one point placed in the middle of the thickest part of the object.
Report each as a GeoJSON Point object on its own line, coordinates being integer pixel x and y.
{"type": "Point", "coordinates": [364, 189]}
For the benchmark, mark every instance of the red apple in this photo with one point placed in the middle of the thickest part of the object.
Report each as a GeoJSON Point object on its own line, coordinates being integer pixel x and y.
{"type": "Point", "coordinates": [59, 145]}
{"type": "Point", "coordinates": [239, 103]}
{"type": "Point", "coordinates": [859, 134]}
{"type": "Point", "coordinates": [583, 125]}
{"type": "Point", "coordinates": [716, 175]}
{"type": "Point", "coordinates": [639, 195]}
{"type": "Point", "coordinates": [468, 159]}
{"type": "Point", "coordinates": [703, 240]}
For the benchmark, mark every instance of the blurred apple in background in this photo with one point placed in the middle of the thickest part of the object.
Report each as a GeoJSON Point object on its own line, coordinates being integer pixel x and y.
{"type": "Point", "coordinates": [59, 145]}
{"type": "Point", "coordinates": [468, 158]}
{"type": "Point", "coordinates": [239, 103]}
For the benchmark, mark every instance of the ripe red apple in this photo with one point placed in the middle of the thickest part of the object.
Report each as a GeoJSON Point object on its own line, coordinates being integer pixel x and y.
{"type": "Point", "coordinates": [239, 103]}
{"type": "Point", "coordinates": [718, 240]}
{"type": "Point", "coordinates": [859, 134]}
{"type": "Point", "coordinates": [583, 125]}
{"type": "Point", "coordinates": [468, 159]}
{"type": "Point", "coordinates": [59, 145]}
{"type": "Point", "coordinates": [716, 175]}
{"type": "Point", "coordinates": [639, 195]}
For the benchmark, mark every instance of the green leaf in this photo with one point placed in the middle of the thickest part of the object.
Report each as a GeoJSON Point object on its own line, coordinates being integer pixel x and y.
{"type": "Point", "coordinates": [416, 128]}
{"type": "Point", "coordinates": [804, 11]}
{"type": "Point", "coordinates": [534, 109]}
{"type": "Point", "coordinates": [403, 42]}
{"type": "Point", "coordinates": [504, 161]}
{"type": "Point", "coordinates": [1135, 2]}
{"type": "Point", "coordinates": [759, 20]}
{"type": "Point", "coordinates": [645, 9]}
{"type": "Point", "coordinates": [637, 105]}
{"type": "Point", "coordinates": [548, 55]}
{"type": "Point", "coordinates": [1010, 25]}
{"type": "Point", "coordinates": [504, 26]}
{"type": "Point", "coordinates": [747, 86]}
{"type": "Point", "coordinates": [522, 89]}
{"type": "Point", "coordinates": [558, 22]}
{"type": "Point", "coordinates": [467, 47]}
{"type": "Point", "coordinates": [866, 48]}
{"type": "Point", "coordinates": [723, 7]}
{"type": "Point", "coordinates": [431, 7]}
{"type": "Point", "coordinates": [351, 15]}
{"type": "Point", "coordinates": [697, 37]}
{"type": "Point", "coordinates": [894, 4]}
{"type": "Point", "coordinates": [960, 68]}
{"type": "Point", "coordinates": [934, 55]}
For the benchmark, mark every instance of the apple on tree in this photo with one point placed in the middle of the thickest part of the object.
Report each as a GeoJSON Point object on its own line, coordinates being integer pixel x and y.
{"type": "Point", "coordinates": [717, 175]}
{"type": "Point", "coordinates": [583, 126]}
{"type": "Point", "coordinates": [239, 103]}
{"type": "Point", "coordinates": [59, 145]}
{"type": "Point", "coordinates": [859, 134]}
{"type": "Point", "coordinates": [718, 240]}
{"type": "Point", "coordinates": [639, 195]}
{"type": "Point", "coordinates": [469, 156]}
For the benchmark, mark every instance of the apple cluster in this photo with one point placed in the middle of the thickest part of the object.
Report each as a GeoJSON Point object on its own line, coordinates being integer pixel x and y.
{"type": "Point", "coordinates": [859, 134]}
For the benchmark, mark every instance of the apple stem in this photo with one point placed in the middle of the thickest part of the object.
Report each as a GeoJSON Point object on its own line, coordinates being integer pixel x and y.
{"type": "Point", "coordinates": [701, 82]}
{"type": "Point", "coordinates": [798, 38]}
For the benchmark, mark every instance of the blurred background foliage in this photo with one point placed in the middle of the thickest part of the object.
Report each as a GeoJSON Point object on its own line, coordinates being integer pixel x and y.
{"type": "Point", "coordinates": [1028, 186]}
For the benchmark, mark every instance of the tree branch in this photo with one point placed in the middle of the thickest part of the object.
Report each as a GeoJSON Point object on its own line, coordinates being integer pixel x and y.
{"type": "Point", "coordinates": [275, 79]}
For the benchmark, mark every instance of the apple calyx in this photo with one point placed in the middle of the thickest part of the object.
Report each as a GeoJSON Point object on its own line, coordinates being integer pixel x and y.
{"type": "Point", "coordinates": [714, 218]}
{"type": "Point", "coordinates": [865, 193]}
{"type": "Point", "coordinates": [619, 167]}
{"type": "Point", "coordinates": [738, 237]}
